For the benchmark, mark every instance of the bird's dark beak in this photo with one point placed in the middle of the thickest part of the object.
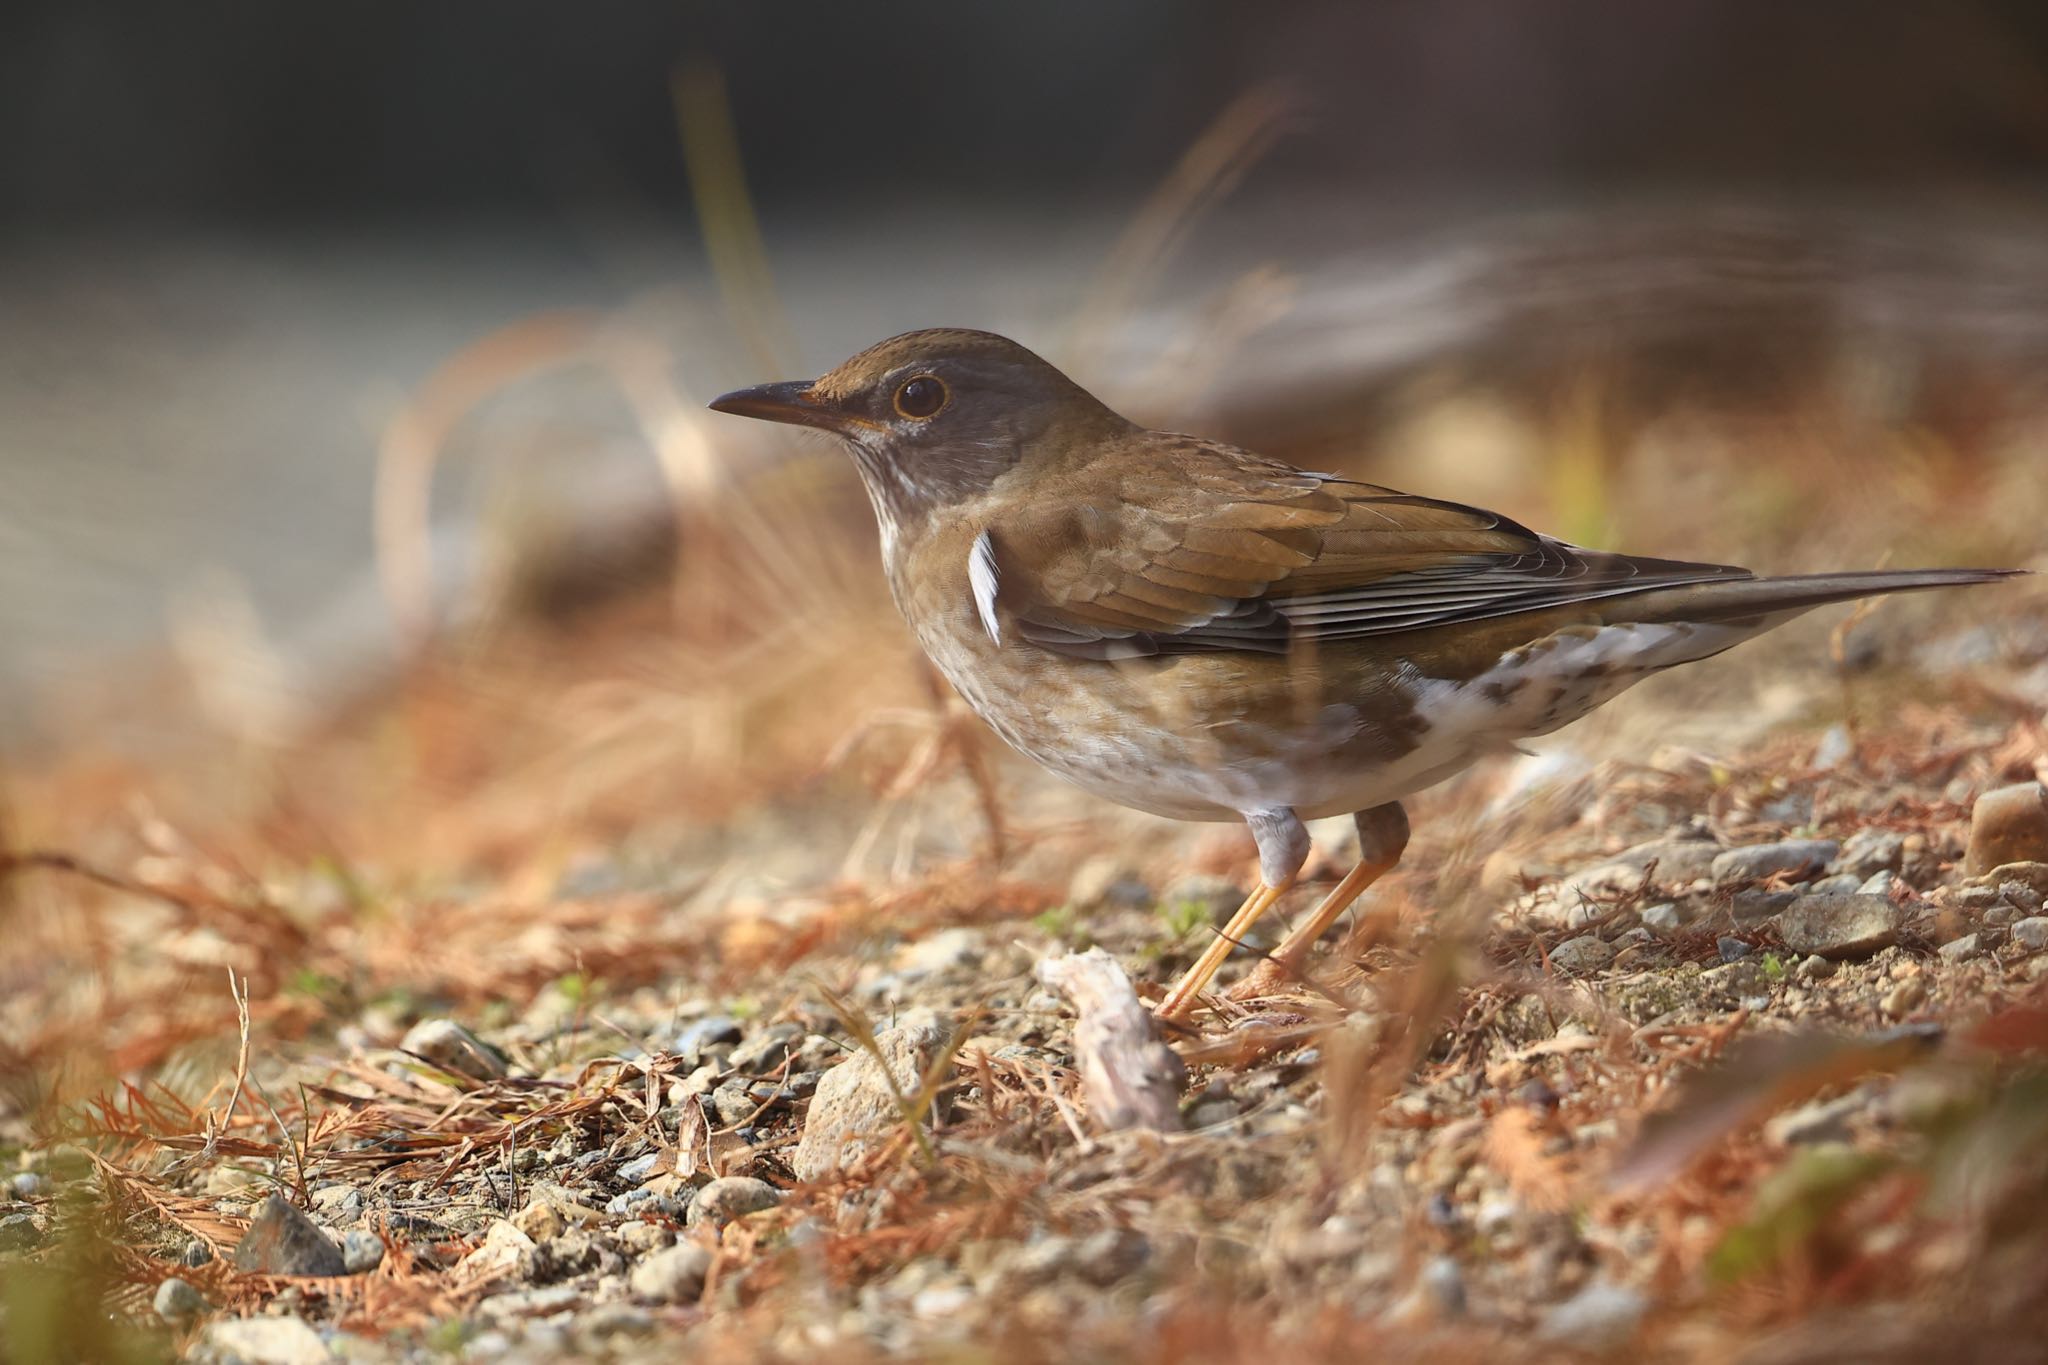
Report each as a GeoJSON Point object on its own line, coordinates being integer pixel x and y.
{"type": "Point", "coordinates": [790, 401]}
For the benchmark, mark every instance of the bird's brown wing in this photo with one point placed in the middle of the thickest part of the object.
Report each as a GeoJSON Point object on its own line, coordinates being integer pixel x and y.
{"type": "Point", "coordinates": [1212, 548]}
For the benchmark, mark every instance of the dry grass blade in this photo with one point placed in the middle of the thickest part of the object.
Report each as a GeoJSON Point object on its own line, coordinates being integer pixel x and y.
{"type": "Point", "coordinates": [12, 863]}
{"type": "Point", "coordinates": [240, 992]}
{"type": "Point", "coordinates": [1206, 172]}
{"type": "Point", "coordinates": [911, 1108]}
{"type": "Point", "coordinates": [732, 236]}
{"type": "Point", "coordinates": [413, 439]}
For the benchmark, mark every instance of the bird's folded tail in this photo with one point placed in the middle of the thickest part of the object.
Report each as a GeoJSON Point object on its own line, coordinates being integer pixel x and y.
{"type": "Point", "coordinates": [1771, 600]}
{"type": "Point", "coordinates": [1655, 630]}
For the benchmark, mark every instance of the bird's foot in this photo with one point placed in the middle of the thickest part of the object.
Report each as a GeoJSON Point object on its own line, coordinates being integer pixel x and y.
{"type": "Point", "coordinates": [1269, 978]}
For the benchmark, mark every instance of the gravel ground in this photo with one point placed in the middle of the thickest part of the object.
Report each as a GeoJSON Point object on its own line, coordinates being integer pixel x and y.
{"type": "Point", "coordinates": [1689, 1056]}
{"type": "Point", "coordinates": [1421, 1153]}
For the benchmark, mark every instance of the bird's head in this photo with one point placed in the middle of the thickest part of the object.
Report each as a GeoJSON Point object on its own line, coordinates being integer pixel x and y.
{"type": "Point", "coordinates": [936, 417]}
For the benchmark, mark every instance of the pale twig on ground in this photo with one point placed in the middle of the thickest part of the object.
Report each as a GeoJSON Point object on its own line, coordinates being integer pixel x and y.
{"type": "Point", "coordinates": [1132, 1079]}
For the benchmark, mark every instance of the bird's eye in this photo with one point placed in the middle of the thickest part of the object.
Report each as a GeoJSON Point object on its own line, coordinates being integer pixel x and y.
{"type": "Point", "coordinates": [921, 397]}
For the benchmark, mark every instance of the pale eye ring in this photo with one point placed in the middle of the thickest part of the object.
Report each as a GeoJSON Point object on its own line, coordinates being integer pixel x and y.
{"type": "Point", "coordinates": [922, 396]}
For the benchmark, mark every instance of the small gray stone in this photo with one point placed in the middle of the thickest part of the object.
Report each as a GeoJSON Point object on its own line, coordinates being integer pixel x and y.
{"type": "Point", "coordinates": [818, 1053]}
{"type": "Point", "coordinates": [1974, 897]}
{"type": "Point", "coordinates": [1443, 1280]}
{"type": "Point", "coordinates": [1794, 859]}
{"type": "Point", "coordinates": [1816, 968]}
{"type": "Point", "coordinates": [263, 1341]}
{"type": "Point", "coordinates": [1580, 912]}
{"type": "Point", "coordinates": [1732, 948]}
{"type": "Point", "coordinates": [700, 1037]}
{"type": "Point", "coordinates": [338, 1204]}
{"type": "Point", "coordinates": [19, 1232]}
{"type": "Point", "coordinates": [1836, 747]}
{"type": "Point", "coordinates": [730, 1197]}
{"type": "Point", "coordinates": [1758, 904]}
{"type": "Point", "coordinates": [644, 1201]}
{"type": "Point", "coordinates": [2009, 825]}
{"type": "Point", "coordinates": [283, 1241]}
{"type": "Point", "coordinates": [673, 1275]}
{"type": "Point", "coordinates": [504, 1250]}
{"type": "Point", "coordinates": [362, 1251]}
{"type": "Point", "coordinates": [1585, 894]}
{"type": "Point", "coordinates": [2022, 895]}
{"type": "Point", "coordinates": [1663, 918]}
{"type": "Point", "coordinates": [767, 1050]}
{"type": "Point", "coordinates": [196, 1254]}
{"type": "Point", "coordinates": [1793, 808]}
{"type": "Point", "coordinates": [702, 1081]}
{"type": "Point", "coordinates": [30, 1185]}
{"type": "Point", "coordinates": [642, 1238]}
{"type": "Point", "coordinates": [2001, 916]}
{"type": "Point", "coordinates": [1599, 1318]}
{"type": "Point", "coordinates": [1870, 851]}
{"type": "Point", "coordinates": [2031, 933]}
{"type": "Point", "coordinates": [1878, 884]}
{"type": "Point", "coordinates": [176, 1300]}
{"type": "Point", "coordinates": [768, 1095]}
{"type": "Point", "coordinates": [454, 1049]}
{"type": "Point", "coordinates": [1577, 956]}
{"type": "Point", "coordinates": [1671, 861]}
{"type": "Point", "coordinates": [732, 1104]}
{"type": "Point", "coordinates": [1839, 882]}
{"type": "Point", "coordinates": [1961, 949]}
{"type": "Point", "coordinates": [640, 1168]}
{"type": "Point", "coordinates": [1839, 927]}
{"type": "Point", "coordinates": [855, 1107]}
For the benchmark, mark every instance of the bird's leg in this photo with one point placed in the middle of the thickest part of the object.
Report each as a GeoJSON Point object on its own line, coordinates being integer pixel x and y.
{"type": "Point", "coordinates": [1197, 977]}
{"type": "Point", "coordinates": [967, 737]}
{"type": "Point", "coordinates": [1283, 848]}
{"type": "Point", "coordinates": [1382, 837]}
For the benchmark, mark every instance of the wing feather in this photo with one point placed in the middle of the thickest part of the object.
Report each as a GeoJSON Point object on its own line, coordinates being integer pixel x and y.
{"type": "Point", "coordinates": [1212, 548]}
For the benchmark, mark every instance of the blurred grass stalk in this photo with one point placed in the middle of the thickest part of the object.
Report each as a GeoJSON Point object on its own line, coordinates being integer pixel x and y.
{"type": "Point", "coordinates": [1205, 175]}
{"type": "Point", "coordinates": [725, 212]}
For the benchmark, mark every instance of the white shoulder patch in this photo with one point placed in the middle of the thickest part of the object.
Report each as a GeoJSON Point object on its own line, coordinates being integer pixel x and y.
{"type": "Point", "coordinates": [981, 576]}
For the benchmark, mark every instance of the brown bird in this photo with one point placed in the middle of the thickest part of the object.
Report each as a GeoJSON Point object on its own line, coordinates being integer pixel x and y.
{"type": "Point", "coordinates": [1197, 631]}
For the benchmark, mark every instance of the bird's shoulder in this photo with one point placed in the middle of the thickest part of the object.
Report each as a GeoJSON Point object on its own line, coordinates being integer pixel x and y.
{"type": "Point", "coordinates": [1177, 508]}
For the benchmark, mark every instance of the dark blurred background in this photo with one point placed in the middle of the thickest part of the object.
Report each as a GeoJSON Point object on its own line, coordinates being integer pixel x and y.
{"type": "Point", "coordinates": [239, 238]}
{"type": "Point", "coordinates": [251, 117]}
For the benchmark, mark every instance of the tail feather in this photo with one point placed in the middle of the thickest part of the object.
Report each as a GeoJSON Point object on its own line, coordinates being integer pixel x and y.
{"type": "Point", "coordinates": [1778, 599]}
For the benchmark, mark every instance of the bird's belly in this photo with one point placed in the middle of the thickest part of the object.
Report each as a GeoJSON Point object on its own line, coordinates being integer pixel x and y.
{"type": "Point", "coordinates": [1192, 737]}
{"type": "Point", "coordinates": [1210, 737]}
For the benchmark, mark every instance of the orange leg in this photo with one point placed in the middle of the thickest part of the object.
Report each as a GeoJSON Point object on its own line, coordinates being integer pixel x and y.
{"type": "Point", "coordinates": [1182, 997]}
{"type": "Point", "coordinates": [1382, 837]}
